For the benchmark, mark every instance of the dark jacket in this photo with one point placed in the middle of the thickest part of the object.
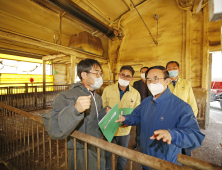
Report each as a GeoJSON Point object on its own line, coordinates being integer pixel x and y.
{"type": "Point", "coordinates": [64, 118]}
{"type": "Point", "coordinates": [170, 113]}
{"type": "Point", "coordinates": [137, 86]}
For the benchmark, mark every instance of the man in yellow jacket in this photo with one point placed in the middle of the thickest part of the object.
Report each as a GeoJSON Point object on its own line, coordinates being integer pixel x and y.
{"type": "Point", "coordinates": [126, 97]}
{"type": "Point", "coordinates": [182, 89]}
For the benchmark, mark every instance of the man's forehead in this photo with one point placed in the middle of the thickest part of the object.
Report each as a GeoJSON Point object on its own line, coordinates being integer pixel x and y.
{"type": "Point", "coordinates": [144, 69]}
{"type": "Point", "coordinates": [96, 68]}
{"type": "Point", "coordinates": [127, 72]}
{"type": "Point", "coordinates": [155, 73]}
{"type": "Point", "coordinates": [172, 65]}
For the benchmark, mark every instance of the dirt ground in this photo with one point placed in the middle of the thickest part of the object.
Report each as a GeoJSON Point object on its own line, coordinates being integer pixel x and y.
{"type": "Point", "coordinates": [210, 151]}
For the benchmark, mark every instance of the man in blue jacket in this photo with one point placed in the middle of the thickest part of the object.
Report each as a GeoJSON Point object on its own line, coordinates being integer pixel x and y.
{"type": "Point", "coordinates": [167, 122]}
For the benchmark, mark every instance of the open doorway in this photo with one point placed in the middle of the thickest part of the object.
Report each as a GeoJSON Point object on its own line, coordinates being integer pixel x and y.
{"type": "Point", "coordinates": [216, 80]}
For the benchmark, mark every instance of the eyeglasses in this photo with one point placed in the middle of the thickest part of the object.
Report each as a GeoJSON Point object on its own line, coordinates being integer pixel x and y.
{"type": "Point", "coordinates": [125, 76]}
{"type": "Point", "coordinates": [98, 74]}
{"type": "Point", "coordinates": [154, 80]}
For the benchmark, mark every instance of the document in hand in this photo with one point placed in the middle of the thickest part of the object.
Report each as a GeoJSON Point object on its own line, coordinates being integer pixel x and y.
{"type": "Point", "coordinates": [107, 123]}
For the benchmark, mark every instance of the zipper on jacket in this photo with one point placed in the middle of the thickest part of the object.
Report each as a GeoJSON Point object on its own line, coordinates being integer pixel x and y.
{"type": "Point", "coordinates": [97, 114]}
{"type": "Point", "coordinates": [149, 127]}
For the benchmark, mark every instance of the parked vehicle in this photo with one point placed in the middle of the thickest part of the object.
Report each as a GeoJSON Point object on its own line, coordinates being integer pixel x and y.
{"type": "Point", "coordinates": [216, 91]}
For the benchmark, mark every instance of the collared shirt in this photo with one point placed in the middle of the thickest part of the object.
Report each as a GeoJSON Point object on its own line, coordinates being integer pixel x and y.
{"type": "Point", "coordinates": [144, 90]}
{"type": "Point", "coordinates": [121, 92]}
{"type": "Point", "coordinates": [174, 82]}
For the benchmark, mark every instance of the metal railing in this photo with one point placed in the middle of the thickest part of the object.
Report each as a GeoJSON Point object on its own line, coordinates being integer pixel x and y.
{"type": "Point", "coordinates": [30, 97]}
{"type": "Point", "coordinates": [24, 144]}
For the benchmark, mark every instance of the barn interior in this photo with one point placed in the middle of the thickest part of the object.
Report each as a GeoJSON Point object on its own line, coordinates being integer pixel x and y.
{"type": "Point", "coordinates": [138, 33]}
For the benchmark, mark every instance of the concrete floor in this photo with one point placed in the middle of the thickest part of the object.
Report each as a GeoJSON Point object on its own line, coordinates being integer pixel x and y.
{"type": "Point", "coordinates": [211, 149]}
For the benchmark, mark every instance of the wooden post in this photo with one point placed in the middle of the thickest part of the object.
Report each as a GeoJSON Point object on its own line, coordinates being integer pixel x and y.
{"type": "Point", "coordinates": [44, 77]}
{"type": "Point", "coordinates": [205, 61]}
{"type": "Point", "coordinates": [188, 45]}
{"type": "Point", "coordinates": [73, 65]}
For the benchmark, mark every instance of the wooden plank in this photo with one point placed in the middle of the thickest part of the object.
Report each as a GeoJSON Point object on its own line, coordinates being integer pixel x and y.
{"type": "Point", "coordinates": [205, 59]}
{"type": "Point", "coordinates": [73, 65]}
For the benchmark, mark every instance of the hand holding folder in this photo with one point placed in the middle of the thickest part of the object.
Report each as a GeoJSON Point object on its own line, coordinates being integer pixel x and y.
{"type": "Point", "coordinates": [107, 123]}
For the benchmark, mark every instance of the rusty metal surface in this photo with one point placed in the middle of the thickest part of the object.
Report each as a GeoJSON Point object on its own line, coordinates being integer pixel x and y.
{"type": "Point", "coordinates": [21, 112]}
{"type": "Point", "coordinates": [98, 159]}
{"type": "Point", "coordinates": [128, 153]}
{"type": "Point", "coordinates": [16, 133]}
{"type": "Point", "coordinates": [196, 163]}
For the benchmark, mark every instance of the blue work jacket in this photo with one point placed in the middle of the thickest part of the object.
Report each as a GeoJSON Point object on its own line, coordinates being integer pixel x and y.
{"type": "Point", "coordinates": [170, 113]}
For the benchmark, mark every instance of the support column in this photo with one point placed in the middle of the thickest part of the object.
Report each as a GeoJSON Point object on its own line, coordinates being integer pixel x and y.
{"type": "Point", "coordinates": [44, 77]}
{"type": "Point", "coordinates": [73, 65]}
{"type": "Point", "coordinates": [188, 46]}
{"type": "Point", "coordinates": [205, 61]}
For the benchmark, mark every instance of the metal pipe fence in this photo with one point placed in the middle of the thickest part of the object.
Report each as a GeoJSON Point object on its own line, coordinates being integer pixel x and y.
{"type": "Point", "coordinates": [30, 97]}
{"type": "Point", "coordinates": [25, 144]}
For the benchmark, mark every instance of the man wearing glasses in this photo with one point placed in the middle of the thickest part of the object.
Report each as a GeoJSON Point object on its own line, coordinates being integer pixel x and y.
{"type": "Point", "coordinates": [142, 88]}
{"type": "Point", "coordinates": [126, 97]}
{"type": "Point", "coordinates": [182, 89]}
{"type": "Point", "coordinates": [79, 108]}
{"type": "Point", "coordinates": [167, 122]}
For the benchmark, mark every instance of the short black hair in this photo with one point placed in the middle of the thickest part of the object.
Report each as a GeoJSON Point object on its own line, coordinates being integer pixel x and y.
{"type": "Point", "coordinates": [143, 68]}
{"type": "Point", "coordinates": [165, 72]}
{"type": "Point", "coordinates": [127, 68]}
{"type": "Point", "coordinates": [86, 65]}
{"type": "Point", "coordinates": [173, 62]}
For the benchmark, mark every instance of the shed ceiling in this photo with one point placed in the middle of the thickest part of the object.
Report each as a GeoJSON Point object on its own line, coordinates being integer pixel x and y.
{"type": "Point", "coordinates": [39, 19]}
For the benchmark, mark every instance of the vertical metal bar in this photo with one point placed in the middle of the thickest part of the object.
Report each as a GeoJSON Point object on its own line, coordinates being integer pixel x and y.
{"type": "Point", "coordinates": [85, 155]}
{"type": "Point", "coordinates": [43, 136]}
{"type": "Point", "coordinates": [98, 158]}
{"type": "Point", "coordinates": [131, 165]}
{"type": "Point", "coordinates": [21, 138]}
{"type": "Point", "coordinates": [16, 142]}
{"type": "Point", "coordinates": [57, 148]}
{"type": "Point", "coordinates": [24, 141]}
{"type": "Point", "coordinates": [75, 162]}
{"type": "Point", "coordinates": [50, 154]}
{"type": "Point", "coordinates": [37, 126]}
{"type": "Point", "coordinates": [66, 154]}
{"type": "Point", "coordinates": [28, 147]}
{"type": "Point", "coordinates": [33, 147]}
{"type": "Point", "coordinates": [6, 133]}
{"type": "Point", "coordinates": [113, 161]}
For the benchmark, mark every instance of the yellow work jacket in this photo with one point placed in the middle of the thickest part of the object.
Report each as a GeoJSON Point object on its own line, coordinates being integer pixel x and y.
{"type": "Point", "coordinates": [184, 91]}
{"type": "Point", "coordinates": [130, 99]}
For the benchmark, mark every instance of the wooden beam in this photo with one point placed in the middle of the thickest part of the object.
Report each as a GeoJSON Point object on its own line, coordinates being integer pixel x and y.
{"type": "Point", "coordinates": [51, 57]}
{"type": "Point", "coordinates": [205, 58]}
{"type": "Point", "coordinates": [73, 65]}
{"type": "Point", "coordinates": [197, 6]}
{"type": "Point", "coordinates": [44, 44]}
{"type": "Point", "coordinates": [44, 83]}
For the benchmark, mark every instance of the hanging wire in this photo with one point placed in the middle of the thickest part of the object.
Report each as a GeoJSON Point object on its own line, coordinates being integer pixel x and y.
{"type": "Point", "coordinates": [144, 23]}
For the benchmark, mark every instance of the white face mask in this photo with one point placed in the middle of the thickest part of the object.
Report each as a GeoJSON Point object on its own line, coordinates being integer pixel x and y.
{"type": "Point", "coordinates": [123, 83]}
{"type": "Point", "coordinates": [155, 88]}
{"type": "Point", "coordinates": [98, 82]}
{"type": "Point", "coordinates": [143, 75]}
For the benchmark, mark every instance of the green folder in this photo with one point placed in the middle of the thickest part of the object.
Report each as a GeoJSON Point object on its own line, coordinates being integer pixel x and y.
{"type": "Point", "coordinates": [107, 123]}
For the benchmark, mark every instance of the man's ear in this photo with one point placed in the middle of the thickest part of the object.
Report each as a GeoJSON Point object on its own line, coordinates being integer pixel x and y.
{"type": "Point", "coordinates": [131, 79]}
{"type": "Point", "coordinates": [83, 75]}
{"type": "Point", "coordinates": [167, 81]}
{"type": "Point", "coordinates": [178, 71]}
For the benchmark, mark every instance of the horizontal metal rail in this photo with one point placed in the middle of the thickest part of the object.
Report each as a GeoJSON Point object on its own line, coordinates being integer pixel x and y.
{"type": "Point", "coordinates": [19, 141]}
{"type": "Point", "coordinates": [30, 97]}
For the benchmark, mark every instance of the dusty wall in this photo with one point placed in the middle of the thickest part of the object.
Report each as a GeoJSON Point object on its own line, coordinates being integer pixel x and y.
{"type": "Point", "coordinates": [182, 37]}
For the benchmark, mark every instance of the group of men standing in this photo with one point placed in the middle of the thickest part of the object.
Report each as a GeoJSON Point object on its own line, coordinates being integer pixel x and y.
{"type": "Point", "coordinates": [164, 123]}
